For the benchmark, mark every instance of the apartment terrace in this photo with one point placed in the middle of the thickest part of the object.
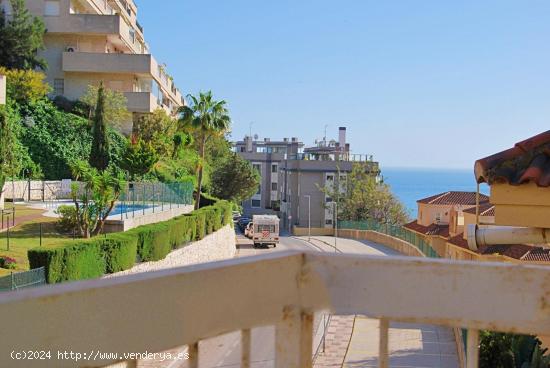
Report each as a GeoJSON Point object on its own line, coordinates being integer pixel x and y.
{"type": "Point", "coordinates": [137, 64]}
{"type": "Point", "coordinates": [161, 310]}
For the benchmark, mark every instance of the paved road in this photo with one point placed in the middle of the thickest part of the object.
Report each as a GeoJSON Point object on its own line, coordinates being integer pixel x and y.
{"type": "Point", "coordinates": [351, 341]}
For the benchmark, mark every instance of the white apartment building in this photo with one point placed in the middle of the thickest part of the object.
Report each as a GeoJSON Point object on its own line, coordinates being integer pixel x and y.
{"type": "Point", "coordinates": [88, 41]}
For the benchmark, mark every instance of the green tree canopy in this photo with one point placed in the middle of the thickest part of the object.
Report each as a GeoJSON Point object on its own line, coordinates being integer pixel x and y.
{"type": "Point", "coordinates": [361, 196]}
{"type": "Point", "coordinates": [99, 157]}
{"type": "Point", "coordinates": [505, 350]}
{"type": "Point", "coordinates": [206, 117]}
{"type": "Point", "coordinates": [97, 199]}
{"type": "Point", "coordinates": [234, 179]}
{"type": "Point", "coordinates": [25, 86]}
{"type": "Point", "coordinates": [21, 37]}
{"type": "Point", "coordinates": [139, 158]}
{"type": "Point", "coordinates": [115, 112]}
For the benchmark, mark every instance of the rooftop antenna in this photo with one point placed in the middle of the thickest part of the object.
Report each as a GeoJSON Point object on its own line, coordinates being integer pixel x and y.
{"type": "Point", "coordinates": [250, 128]}
{"type": "Point", "coordinates": [325, 137]}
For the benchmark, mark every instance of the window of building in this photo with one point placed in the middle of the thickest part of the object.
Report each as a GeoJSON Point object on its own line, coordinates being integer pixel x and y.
{"type": "Point", "coordinates": [132, 34]}
{"type": "Point", "coordinates": [274, 168]}
{"type": "Point", "coordinates": [259, 189]}
{"type": "Point", "coordinates": [330, 177]}
{"type": "Point", "coordinates": [274, 186]}
{"type": "Point", "coordinates": [328, 199]}
{"type": "Point", "coordinates": [328, 222]}
{"type": "Point", "coordinates": [256, 203]}
{"type": "Point", "coordinates": [257, 167]}
{"type": "Point", "coordinates": [51, 7]}
{"type": "Point", "coordinates": [59, 87]}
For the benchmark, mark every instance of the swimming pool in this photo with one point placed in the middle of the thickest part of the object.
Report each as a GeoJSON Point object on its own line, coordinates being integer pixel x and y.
{"type": "Point", "coordinates": [121, 208]}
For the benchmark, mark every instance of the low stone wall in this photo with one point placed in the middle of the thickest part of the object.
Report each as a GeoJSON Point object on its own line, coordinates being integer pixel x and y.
{"type": "Point", "coordinates": [315, 231]}
{"type": "Point", "coordinates": [389, 241]}
{"type": "Point", "coordinates": [214, 247]}
{"type": "Point", "coordinates": [405, 248]}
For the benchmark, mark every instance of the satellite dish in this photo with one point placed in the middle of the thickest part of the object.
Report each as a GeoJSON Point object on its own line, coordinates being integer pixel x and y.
{"type": "Point", "coordinates": [255, 137]}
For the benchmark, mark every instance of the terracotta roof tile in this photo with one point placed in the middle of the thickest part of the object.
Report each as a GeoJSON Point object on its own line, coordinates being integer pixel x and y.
{"type": "Point", "coordinates": [485, 209]}
{"type": "Point", "coordinates": [528, 161]}
{"type": "Point", "coordinates": [513, 251]}
{"type": "Point", "coordinates": [459, 241]}
{"type": "Point", "coordinates": [537, 255]}
{"type": "Point", "coordinates": [455, 198]}
{"type": "Point", "coordinates": [433, 229]}
{"type": "Point", "coordinates": [522, 252]}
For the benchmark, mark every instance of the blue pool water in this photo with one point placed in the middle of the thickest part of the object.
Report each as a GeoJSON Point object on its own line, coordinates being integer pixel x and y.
{"type": "Point", "coordinates": [410, 185]}
{"type": "Point", "coordinates": [128, 208]}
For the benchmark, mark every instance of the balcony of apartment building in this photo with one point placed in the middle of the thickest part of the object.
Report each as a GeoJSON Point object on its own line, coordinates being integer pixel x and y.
{"type": "Point", "coordinates": [137, 65]}
{"type": "Point", "coordinates": [95, 18]}
{"type": "Point", "coordinates": [190, 304]}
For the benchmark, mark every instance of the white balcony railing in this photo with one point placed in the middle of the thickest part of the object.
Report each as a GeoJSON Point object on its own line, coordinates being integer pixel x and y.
{"type": "Point", "coordinates": [161, 310]}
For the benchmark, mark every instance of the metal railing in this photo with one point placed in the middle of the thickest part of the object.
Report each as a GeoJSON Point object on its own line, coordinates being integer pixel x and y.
{"type": "Point", "coordinates": [182, 306]}
{"type": "Point", "coordinates": [25, 279]}
{"type": "Point", "coordinates": [396, 231]}
{"type": "Point", "coordinates": [347, 157]}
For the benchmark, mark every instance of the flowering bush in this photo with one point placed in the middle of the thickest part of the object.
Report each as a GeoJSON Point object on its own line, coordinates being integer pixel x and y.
{"type": "Point", "coordinates": [7, 262]}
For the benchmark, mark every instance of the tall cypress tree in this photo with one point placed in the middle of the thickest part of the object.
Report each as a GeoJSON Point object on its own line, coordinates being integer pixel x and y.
{"type": "Point", "coordinates": [7, 142]}
{"type": "Point", "coordinates": [21, 36]}
{"type": "Point", "coordinates": [99, 157]}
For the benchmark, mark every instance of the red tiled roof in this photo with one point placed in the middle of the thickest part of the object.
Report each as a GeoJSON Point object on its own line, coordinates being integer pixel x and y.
{"type": "Point", "coordinates": [528, 161]}
{"type": "Point", "coordinates": [459, 241]}
{"type": "Point", "coordinates": [485, 209]}
{"type": "Point", "coordinates": [522, 252]}
{"type": "Point", "coordinates": [513, 251]}
{"type": "Point", "coordinates": [537, 255]}
{"type": "Point", "coordinates": [433, 229]}
{"type": "Point", "coordinates": [455, 198]}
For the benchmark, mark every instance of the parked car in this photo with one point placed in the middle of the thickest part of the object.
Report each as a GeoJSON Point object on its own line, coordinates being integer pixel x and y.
{"type": "Point", "coordinates": [243, 221]}
{"type": "Point", "coordinates": [236, 215]}
{"type": "Point", "coordinates": [249, 231]}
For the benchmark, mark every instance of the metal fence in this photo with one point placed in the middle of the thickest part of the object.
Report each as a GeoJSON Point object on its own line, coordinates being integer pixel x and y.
{"type": "Point", "coordinates": [21, 280]}
{"type": "Point", "coordinates": [140, 198]}
{"type": "Point", "coordinates": [392, 230]}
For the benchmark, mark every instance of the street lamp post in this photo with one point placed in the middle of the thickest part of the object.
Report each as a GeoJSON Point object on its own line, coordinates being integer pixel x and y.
{"type": "Point", "coordinates": [335, 225]}
{"type": "Point", "coordinates": [308, 216]}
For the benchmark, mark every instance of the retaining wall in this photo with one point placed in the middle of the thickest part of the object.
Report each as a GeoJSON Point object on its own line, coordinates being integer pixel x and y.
{"type": "Point", "coordinates": [214, 247]}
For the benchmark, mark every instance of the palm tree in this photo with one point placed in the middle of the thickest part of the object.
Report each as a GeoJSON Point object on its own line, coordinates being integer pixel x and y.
{"type": "Point", "coordinates": [207, 117]}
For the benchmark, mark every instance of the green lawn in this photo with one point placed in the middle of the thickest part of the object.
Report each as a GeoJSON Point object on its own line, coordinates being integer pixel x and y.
{"type": "Point", "coordinates": [27, 235]}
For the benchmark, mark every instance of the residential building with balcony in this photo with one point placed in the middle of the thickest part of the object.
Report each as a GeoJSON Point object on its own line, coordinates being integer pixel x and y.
{"type": "Point", "coordinates": [305, 176]}
{"type": "Point", "coordinates": [266, 157]}
{"type": "Point", "coordinates": [88, 41]}
{"type": "Point", "coordinates": [293, 177]}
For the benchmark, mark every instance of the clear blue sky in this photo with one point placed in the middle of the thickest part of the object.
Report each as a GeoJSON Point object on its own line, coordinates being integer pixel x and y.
{"type": "Point", "coordinates": [418, 83]}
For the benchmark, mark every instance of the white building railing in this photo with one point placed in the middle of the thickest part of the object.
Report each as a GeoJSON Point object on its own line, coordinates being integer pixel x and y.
{"type": "Point", "coordinates": [161, 310]}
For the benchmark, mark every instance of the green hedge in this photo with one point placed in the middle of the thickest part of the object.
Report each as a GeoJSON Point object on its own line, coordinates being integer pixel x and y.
{"type": "Point", "coordinates": [84, 259]}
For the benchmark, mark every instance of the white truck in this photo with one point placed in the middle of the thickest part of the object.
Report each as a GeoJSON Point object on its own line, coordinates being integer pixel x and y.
{"type": "Point", "coordinates": [265, 230]}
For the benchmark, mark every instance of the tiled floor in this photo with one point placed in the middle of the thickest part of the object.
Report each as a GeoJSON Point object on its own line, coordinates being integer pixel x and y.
{"type": "Point", "coordinates": [410, 345]}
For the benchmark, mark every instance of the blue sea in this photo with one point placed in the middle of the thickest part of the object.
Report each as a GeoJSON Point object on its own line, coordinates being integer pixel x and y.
{"type": "Point", "coordinates": [410, 185]}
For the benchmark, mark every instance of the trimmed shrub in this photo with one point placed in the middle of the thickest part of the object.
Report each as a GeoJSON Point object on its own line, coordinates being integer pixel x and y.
{"type": "Point", "coordinates": [49, 258]}
{"type": "Point", "coordinates": [119, 251]}
{"type": "Point", "coordinates": [153, 242]}
{"type": "Point", "coordinates": [84, 259]}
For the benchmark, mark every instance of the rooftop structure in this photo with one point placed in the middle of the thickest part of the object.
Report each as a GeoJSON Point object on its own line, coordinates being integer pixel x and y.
{"type": "Point", "coordinates": [88, 41]}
